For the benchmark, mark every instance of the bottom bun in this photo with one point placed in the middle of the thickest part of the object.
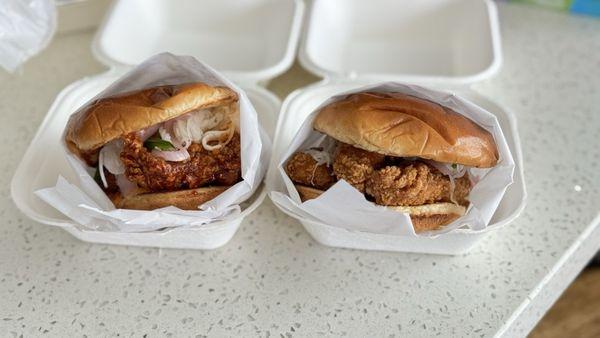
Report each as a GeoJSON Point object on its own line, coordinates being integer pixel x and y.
{"type": "Point", "coordinates": [183, 199]}
{"type": "Point", "coordinates": [433, 216]}
{"type": "Point", "coordinates": [425, 217]}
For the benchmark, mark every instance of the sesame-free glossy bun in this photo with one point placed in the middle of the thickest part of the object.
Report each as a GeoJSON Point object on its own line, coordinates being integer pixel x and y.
{"type": "Point", "coordinates": [188, 199]}
{"type": "Point", "coordinates": [106, 119]}
{"type": "Point", "coordinates": [426, 217]}
{"type": "Point", "coordinates": [400, 125]}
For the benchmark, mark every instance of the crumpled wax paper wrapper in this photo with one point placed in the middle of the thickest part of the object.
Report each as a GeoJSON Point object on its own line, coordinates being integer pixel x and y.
{"type": "Point", "coordinates": [345, 207]}
{"type": "Point", "coordinates": [86, 203]}
{"type": "Point", "coordinates": [26, 27]}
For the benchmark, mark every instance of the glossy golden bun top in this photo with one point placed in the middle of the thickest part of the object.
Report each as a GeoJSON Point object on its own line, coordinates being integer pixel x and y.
{"type": "Point", "coordinates": [400, 125]}
{"type": "Point", "coordinates": [104, 120]}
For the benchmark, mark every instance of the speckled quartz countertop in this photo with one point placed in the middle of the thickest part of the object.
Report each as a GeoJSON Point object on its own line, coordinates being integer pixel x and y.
{"type": "Point", "coordinates": [272, 279]}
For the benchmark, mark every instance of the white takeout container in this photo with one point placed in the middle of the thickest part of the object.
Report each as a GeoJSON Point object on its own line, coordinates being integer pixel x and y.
{"type": "Point", "coordinates": [249, 41]}
{"type": "Point", "coordinates": [445, 44]}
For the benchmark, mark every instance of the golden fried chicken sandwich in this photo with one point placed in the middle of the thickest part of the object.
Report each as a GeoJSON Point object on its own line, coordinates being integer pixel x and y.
{"type": "Point", "coordinates": [173, 145]}
{"type": "Point", "coordinates": [402, 152]}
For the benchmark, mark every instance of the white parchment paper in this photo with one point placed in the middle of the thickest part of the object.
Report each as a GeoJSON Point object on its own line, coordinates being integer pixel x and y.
{"type": "Point", "coordinates": [86, 203]}
{"type": "Point", "coordinates": [345, 207]}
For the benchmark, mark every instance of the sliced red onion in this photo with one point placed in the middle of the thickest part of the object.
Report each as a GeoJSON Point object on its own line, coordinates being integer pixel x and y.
{"type": "Point", "coordinates": [216, 135]}
{"type": "Point", "coordinates": [172, 156]}
{"type": "Point", "coordinates": [109, 158]}
{"type": "Point", "coordinates": [145, 134]}
{"type": "Point", "coordinates": [126, 187]}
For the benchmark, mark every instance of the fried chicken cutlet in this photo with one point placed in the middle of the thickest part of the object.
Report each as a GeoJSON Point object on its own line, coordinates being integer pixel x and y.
{"type": "Point", "coordinates": [388, 180]}
{"type": "Point", "coordinates": [354, 165]}
{"type": "Point", "coordinates": [415, 183]}
{"type": "Point", "coordinates": [302, 168]}
{"type": "Point", "coordinates": [204, 167]}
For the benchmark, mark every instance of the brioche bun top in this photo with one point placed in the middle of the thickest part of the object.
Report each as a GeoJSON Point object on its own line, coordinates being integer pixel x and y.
{"type": "Point", "coordinates": [400, 125]}
{"type": "Point", "coordinates": [106, 119]}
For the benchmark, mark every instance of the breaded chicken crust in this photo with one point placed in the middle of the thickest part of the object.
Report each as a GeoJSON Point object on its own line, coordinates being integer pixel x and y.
{"type": "Point", "coordinates": [415, 183]}
{"type": "Point", "coordinates": [354, 165]}
{"type": "Point", "coordinates": [302, 168]}
{"type": "Point", "coordinates": [153, 173]}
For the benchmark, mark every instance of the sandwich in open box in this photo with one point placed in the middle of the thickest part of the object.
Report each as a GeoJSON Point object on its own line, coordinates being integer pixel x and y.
{"type": "Point", "coordinates": [434, 159]}
{"type": "Point", "coordinates": [168, 145]}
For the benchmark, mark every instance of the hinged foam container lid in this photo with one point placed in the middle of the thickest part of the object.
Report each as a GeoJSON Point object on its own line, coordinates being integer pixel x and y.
{"type": "Point", "coordinates": [449, 42]}
{"type": "Point", "coordinates": [248, 40]}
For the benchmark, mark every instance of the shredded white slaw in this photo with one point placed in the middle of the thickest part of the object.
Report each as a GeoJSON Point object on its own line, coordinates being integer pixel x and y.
{"type": "Point", "coordinates": [210, 128]}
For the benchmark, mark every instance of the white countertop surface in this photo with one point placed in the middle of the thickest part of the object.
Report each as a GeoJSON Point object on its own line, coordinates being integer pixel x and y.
{"type": "Point", "coordinates": [272, 279]}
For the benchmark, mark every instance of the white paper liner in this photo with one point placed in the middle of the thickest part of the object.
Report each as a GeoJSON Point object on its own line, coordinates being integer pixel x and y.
{"type": "Point", "coordinates": [345, 207]}
{"type": "Point", "coordinates": [88, 205]}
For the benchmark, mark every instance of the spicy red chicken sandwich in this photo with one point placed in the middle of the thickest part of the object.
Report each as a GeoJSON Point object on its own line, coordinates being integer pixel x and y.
{"type": "Point", "coordinates": [173, 145]}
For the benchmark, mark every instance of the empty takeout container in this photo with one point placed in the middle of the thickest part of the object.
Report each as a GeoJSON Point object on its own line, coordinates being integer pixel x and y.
{"type": "Point", "coordinates": [249, 41]}
{"type": "Point", "coordinates": [447, 44]}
